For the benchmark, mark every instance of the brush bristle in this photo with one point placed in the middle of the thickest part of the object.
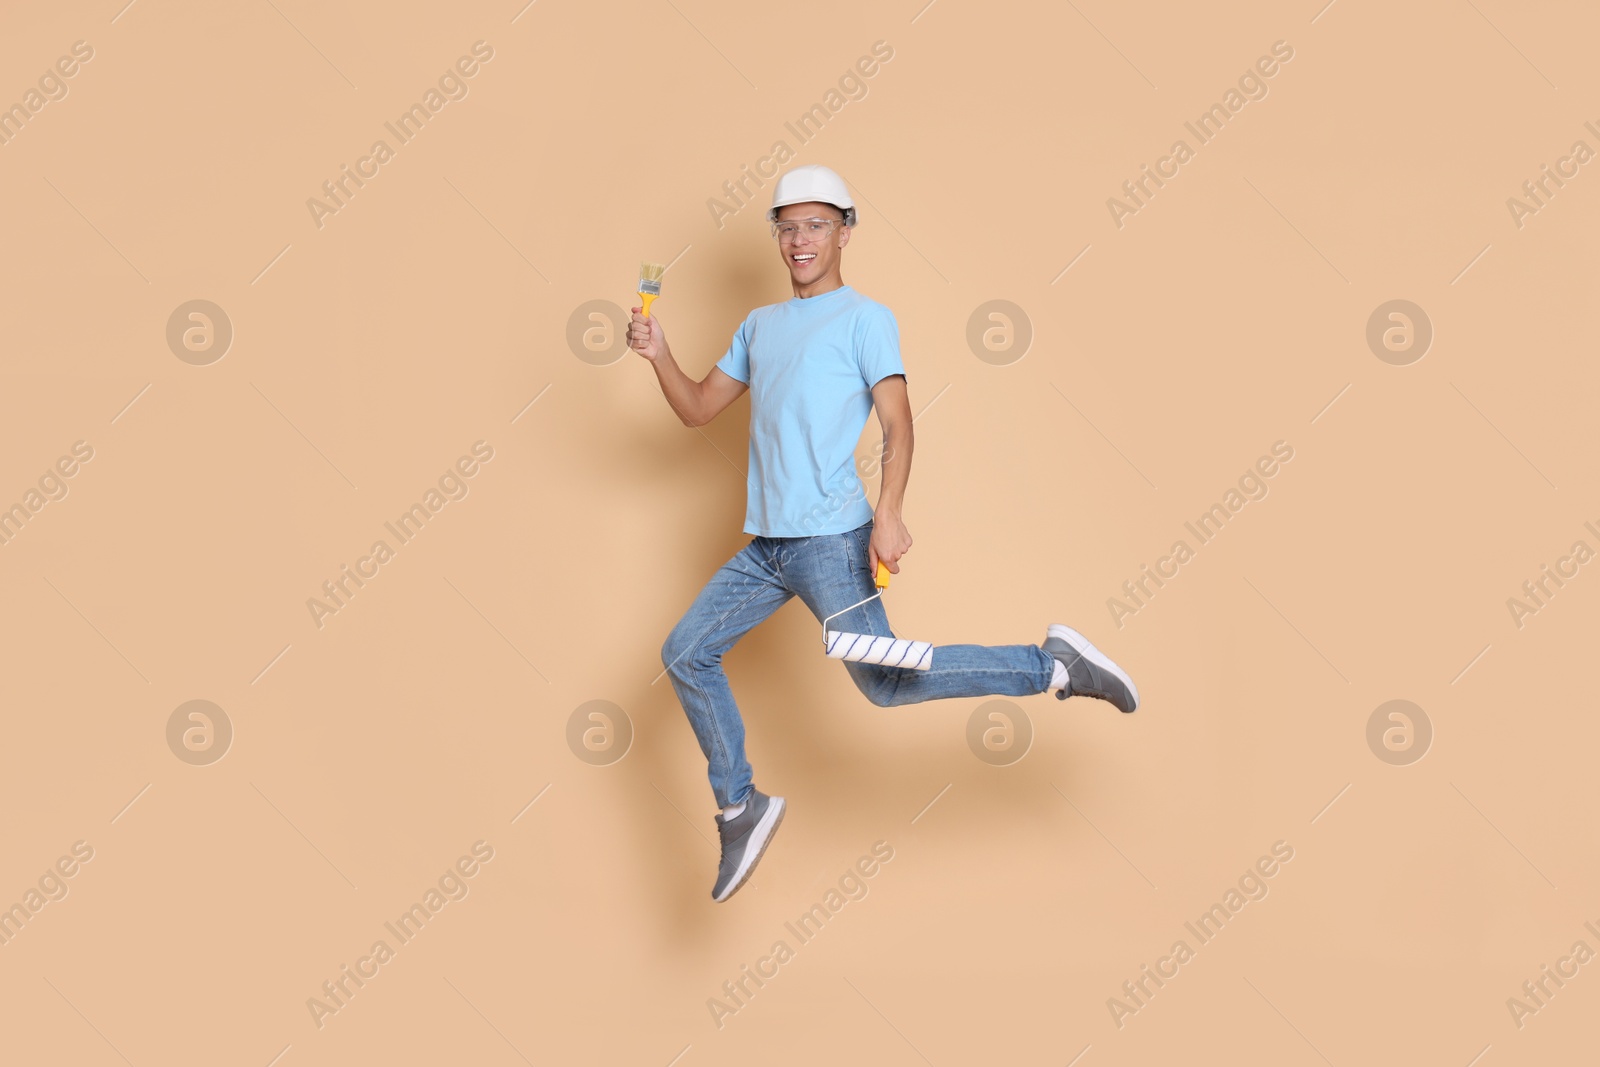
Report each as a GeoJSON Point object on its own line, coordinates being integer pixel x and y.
{"type": "Point", "coordinates": [651, 272]}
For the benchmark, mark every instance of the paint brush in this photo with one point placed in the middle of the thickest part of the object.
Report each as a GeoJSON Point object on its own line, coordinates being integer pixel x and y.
{"type": "Point", "coordinates": [650, 283]}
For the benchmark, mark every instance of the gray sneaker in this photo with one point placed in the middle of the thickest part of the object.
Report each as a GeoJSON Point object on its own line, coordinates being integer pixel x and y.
{"type": "Point", "coordinates": [744, 838]}
{"type": "Point", "coordinates": [1090, 672]}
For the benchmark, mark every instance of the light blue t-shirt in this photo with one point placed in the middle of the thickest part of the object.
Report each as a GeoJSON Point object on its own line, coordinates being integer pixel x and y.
{"type": "Point", "coordinates": [811, 364]}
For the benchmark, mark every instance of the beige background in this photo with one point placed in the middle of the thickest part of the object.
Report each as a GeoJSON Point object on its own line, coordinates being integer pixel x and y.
{"type": "Point", "coordinates": [425, 315]}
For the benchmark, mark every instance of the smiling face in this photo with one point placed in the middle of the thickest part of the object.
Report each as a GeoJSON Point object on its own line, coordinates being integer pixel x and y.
{"type": "Point", "coordinates": [814, 265]}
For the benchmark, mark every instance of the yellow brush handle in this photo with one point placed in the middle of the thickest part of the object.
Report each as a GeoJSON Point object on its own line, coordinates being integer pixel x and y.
{"type": "Point", "coordinates": [647, 298]}
{"type": "Point", "coordinates": [883, 575]}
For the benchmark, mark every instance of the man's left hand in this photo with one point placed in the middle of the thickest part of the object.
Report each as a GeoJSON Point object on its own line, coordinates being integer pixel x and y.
{"type": "Point", "coordinates": [890, 541]}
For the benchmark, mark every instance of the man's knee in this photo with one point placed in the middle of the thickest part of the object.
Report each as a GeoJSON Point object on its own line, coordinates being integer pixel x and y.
{"type": "Point", "coordinates": [876, 684]}
{"type": "Point", "coordinates": [673, 647]}
{"type": "Point", "coordinates": [682, 650]}
{"type": "Point", "coordinates": [672, 650]}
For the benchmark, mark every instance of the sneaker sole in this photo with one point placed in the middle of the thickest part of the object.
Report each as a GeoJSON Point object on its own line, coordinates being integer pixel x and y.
{"type": "Point", "coordinates": [1095, 656]}
{"type": "Point", "coordinates": [760, 838]}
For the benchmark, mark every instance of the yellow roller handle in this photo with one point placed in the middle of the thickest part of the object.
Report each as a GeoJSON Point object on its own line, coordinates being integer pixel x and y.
{"type": "Point", "coordinates": [883, 575]}
{"type": "Point", "coordinates": [647, 298]}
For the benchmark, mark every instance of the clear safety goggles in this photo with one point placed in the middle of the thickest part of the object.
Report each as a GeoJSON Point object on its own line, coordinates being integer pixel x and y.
{"type": "Point", "coordinates": [806, 230]}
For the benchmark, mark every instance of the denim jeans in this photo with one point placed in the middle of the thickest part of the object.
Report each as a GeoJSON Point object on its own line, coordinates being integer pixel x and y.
{"type": "Point", "coordinates": [828, 573]}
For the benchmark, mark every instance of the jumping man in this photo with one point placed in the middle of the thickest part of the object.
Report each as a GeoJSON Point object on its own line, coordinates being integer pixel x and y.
{"type": "Point", "coordinates": [816, 365]}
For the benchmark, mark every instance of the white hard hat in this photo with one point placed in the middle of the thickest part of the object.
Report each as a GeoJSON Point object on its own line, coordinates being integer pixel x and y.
{"type": "Point", "coordinates": [812, 182]}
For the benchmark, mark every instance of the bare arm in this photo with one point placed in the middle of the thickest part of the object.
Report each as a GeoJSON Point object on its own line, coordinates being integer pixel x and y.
{"type": "Point", "coordinates": [695, 403]}
{"type": "Point", "coordinates": [890, 538]}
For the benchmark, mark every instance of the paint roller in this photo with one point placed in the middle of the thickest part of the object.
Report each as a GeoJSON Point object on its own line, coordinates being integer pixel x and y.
{"type": "Point", "coordinates": [869, 648]}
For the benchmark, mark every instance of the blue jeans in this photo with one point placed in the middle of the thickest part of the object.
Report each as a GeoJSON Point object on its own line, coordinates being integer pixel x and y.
{"type": "Point", "coordinates": [828, 573]}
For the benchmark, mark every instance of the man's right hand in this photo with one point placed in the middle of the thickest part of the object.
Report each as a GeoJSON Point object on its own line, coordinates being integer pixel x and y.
{"type": "Point", "coordinates": [646, 337]}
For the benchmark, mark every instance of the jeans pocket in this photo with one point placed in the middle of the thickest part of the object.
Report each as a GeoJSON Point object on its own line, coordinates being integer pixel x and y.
{"type": "Point", "coordinates": [858, 541]}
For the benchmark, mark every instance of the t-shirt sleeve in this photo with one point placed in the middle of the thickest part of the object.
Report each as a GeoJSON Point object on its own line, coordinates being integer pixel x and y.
{"type": "Point", "coordinates": [878, 345]}
{"type": "Point", "coordinates": [735, 363]}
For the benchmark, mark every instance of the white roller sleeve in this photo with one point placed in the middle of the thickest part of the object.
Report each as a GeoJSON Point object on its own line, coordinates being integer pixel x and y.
{"type": "Point", "coordinates": [887, 651]}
